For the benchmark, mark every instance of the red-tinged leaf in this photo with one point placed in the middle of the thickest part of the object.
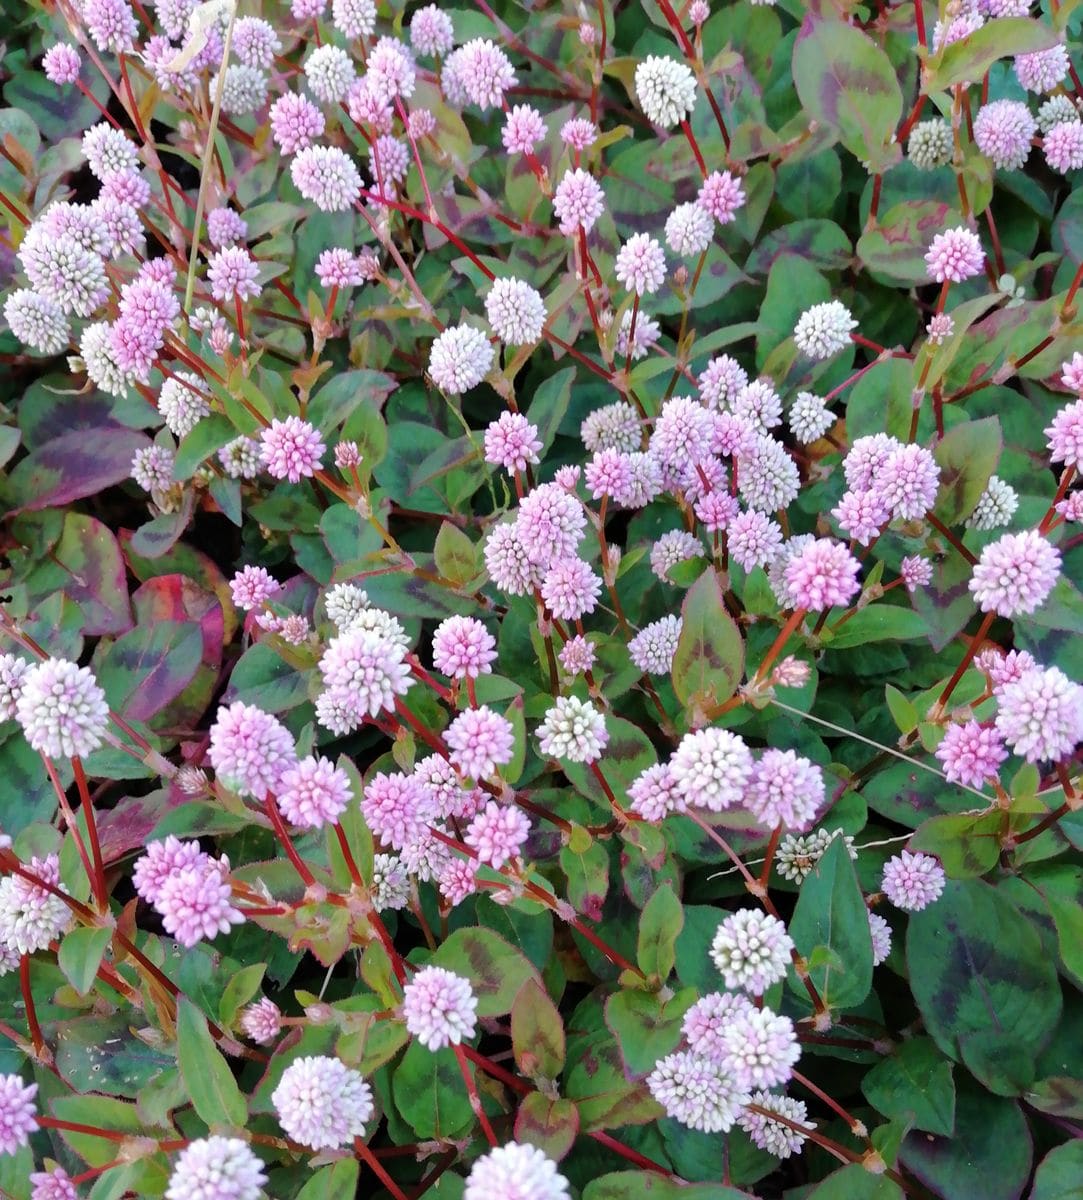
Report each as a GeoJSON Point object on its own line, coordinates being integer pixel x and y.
{"type": "Point", "coordinates": [129, 824]}
{"type": "Point", "coordinates": [76, 464]}
{"type": "Point", "coordinates": [551, 1125]}
{"type": "Point", "coordinates": [896, 245]}
{"type": "Point", "coordinates": [150, 666]}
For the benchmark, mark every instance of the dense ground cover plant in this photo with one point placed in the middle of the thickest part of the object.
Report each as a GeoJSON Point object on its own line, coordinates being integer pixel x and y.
{"type": "Point", "coordinates": [540, 652]}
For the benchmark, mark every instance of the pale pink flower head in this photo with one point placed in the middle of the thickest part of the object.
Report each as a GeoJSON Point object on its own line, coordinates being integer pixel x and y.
{"type": "Point", "coordinates": [824, 329]}
{"type": "Point", "coordinates": [1072, 373]}
{"type": "Point", "coordinates": [516, 1171]}
{"type": "Point", "coordinates": [653, 647]}
{"type": "Point", "coordinates": [262, 1021]}
{"type": "Point", "coordinates": [368, 105]}
{"type": "Point", "coordinates": [391, 69]}
{"type": "Point", "coordinates": [195, 903]}
{"type": "Point", "coordinates": [12, 672]}
{"type": "Point", "coordinates": [579, 133]}
{"type": "Point", "coordinates": [689, 230]}
{"type": "Point", "coordinates": [705, 1023]}
{"type": "Point", "coordinates": [497, 834]}
{"type": "Point", "coordinates": [431, 31]}
{"type": "Point", "coordinates": [253, 586]}
{"type": "Point", "coordinates": [18, 1116]}
{"type": "Point", "coordinates": [296, 122]}
{"type": "Point", "coordinates": [768, 1133]}
{"type": "Point", "coordinates": [570, 588]}
{"type": "Point", "coordinates": [654, 793]}
{"type": "Point", "coordinates": [666, 89]}
{"type": "Point", "coordinates": [787, 790]}
{"type": "Point", "coordinates": [221, 1167]}
{"type": "Point", "coordinates": [941, 326]}
{"type": "Point", "coordinates": [523, 129]}
{"type": "Point", "coordinates": [578, 201]}
{"type": "Point", "coordinates": [338, 268]}
{"type": "Point", "coordinates": [697, 1092]}
{"type": "Point", "coordinates": [292, 449]}
{"type": "Point", "coordinates": [716, 510]}
{"type": "Point", "coordinates": [250, 750]}
{"type": "Point", "coordinates": [439, 1008]}
{"type": "Point", "coordinates": [322, 1103]}
{"type": "Point", "coordinates": [233, 272]}
{"type": "Point", "coordinates": [224, 227]}
{"type": "Point", "coordinates": [460, 359]}
{"type": "Point", "coordinates": [30, 915]}
{"type": "Point", "coordinates": [971, 754]}
{"type": "Point", "coordinates": [313, 793]}
{"type": "Point", "coordinates": [912, 881]}
{"type": "Point", "coordinates": [508, 560]}
{"type": "Point", "coordinates": [577, 655]}
{"type": "Point", "coordinates": [721, 381]}
{"type": "Point", "coordinates": [462, 646]}
{"type": "Point", "coordinates": [915, 572]}
{"type": "Point", "coordinates": [162, 859]}
{"type": "Point", "coordinates": [866, 458]}
{"type": "Point", "coordinates": [52, 1185]}
{"type": "Point", "coordinates": [1003, 130]}
{"type": "Point", "coordinates": [480, 742]}
{"type": "Point", "coordinates": [1003, 669]}
{"type": "Point", "coordinates": [1015, 574]}
{"type": "Point", "coordinates": [327, 176]}
{"type": "Point", "coordinates": [1065, 435]}
{"type": "Point", "coordinates": [760, 1048]}
{"type": "Point", "coordinates": [511, 442]}
{"type": "Point", "coordinates": [676, 546]}
{"type": "Point", "coordinates": [111, 24]}
{"type": "Point", "coordinates": [485, 73]}
{"type": "Point", "coordinates": [61, 64]}
{"type": "Point", "coordinates": [1040, 715]}
{"type": "Point", "coordinates": [515, 311]}
{"type": "Point", "coordinates": [721, 195]}
{"type": "Point", "coordinates": [751, 949]}
{"type": "Point", "coordinates": [397, 808]}
{"type": "Point", "coordinates": [1063, 146]}
{"type": "Point", "coordinates": [880, 931]}
{"type": "Point", "coordinates": [822, 575]}
{"type": "Point", "coordinates": [550, 523]}
{"type": "Point", "coordinates": [255, 42]}
{"type": "Point", "coordinates": [907, 482]}
{"type": "Point", "coordinates": [1042, 70]}
{"type": "Point", "coordinates": [457, 880]}
{"type": "Point", "coordinates": [61, 709]}
{"type": "Point", "coordinates": [574, 730]}
{"type": "Point", "coordinates": [862, 514]}
{"type": "Point", "coordinates": [955, 256]}
{"type": "Point", "coordinates": [755, 540]}
{"type": "Point", "coordinates": [641, 265]}
{"type": "Point", "coordinates": [712, 768]}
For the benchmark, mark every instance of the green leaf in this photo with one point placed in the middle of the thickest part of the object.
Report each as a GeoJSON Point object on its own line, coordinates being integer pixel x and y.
{"type": "Point", "coordinates": [659, 927]}
{"type": "Point", "coordinates": [627, 754]}
{"type": "Point", "coordinates": [880, 622]}
{"type": "Point", "coordinates": [915, 1082]}
{"type": "Point", "coordinates": [337, 1181]}
{"type": "Point", "coordinates": [551, 1125]}
{"type": "Point", "coordinates": [642, 1185]}
{"type": "Point", "coordinates": [102, 1054]}
{"type": "Point", "coordinates": [1060, 1174]}
{"type": "Point", "coordinates": [846, 82]}
{"type": "Point", "coordinates": [496, 970]}
{"type": "Point", "coordinates": [710, 655]}
{"type": "Point", "coordinates": [831, 912]}
{"type": "Point", "coordinates": [587, 871]}
{"type": "Point", "coordinates": [896, 245]}
{"type": "Point", "coordinates": [967, 456]}
{"type": "Point", "coordinates": [455, 555]}
{"type": "Point", "coordinates": [537, 1032]}
{"type": "Point", "coordinates": [240, 988]}
{"type": "Point", "coordinates": [902, 710]}
{"type": "Point", "coordinates": [81, 954]}
{"type": "Point", "coordinates": [967, 845]}
{"type": "Point", "coordinates": [207, 1077]}
{"type": "Point", "coordinates": [986, 989]}
{"type": "Point", "coordinates": [967, 60]}
{"type": "Point", "coordinates": [549, 405]}
{"type": "Point", "coordinates": [646, 1027]}
{"type": "Point", "coordinates": [855, 1183]}
{"type": "Point", "coordinates": [429, 1093]}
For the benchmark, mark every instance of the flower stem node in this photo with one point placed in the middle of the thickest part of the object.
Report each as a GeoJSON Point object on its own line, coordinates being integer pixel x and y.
{"type": "Point", "coordinates": [872, 1161]}
{"type": "Point", "coordinates": [315, 893]}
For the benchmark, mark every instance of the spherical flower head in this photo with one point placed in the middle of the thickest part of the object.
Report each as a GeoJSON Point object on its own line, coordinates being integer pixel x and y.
{"type": "Point", "coordinates": [577, 655]}
{"type": "Point", "coordinates": [612, 427]}
{"type": "Point", "coordinates": [1003, 130]}
{"type": "Point", "coordinates": [31, 916]}
{"type": "Point", "coordinates": [462, 647]}
{"type": "Point", "coordinates": [779, 1139]}
{"type": "Point", "coordinates": [672, 548]}
{"type": "Point", "coordinates": [862, 515]}
{"type": "Point", "coordinates": [635, 343]}
{"type": "Point", "coordinates": [37, 321]}
{"type": "Point", "coordinates": [18, 1117]}
{"type": "Point", "coordinates": [253, 586]}
{"type": "Point", "coordinates": [579, 133]}
{"type": "Point", "coordinates": [996, 505]}
{"type": "Point", "coordinates": [64, 271]}
{"type": "Point", "coordinates": [322, 1103]}
{"type": "Point", "coordinates": [292, 449]}
{"type": "Point", "coordinates": [439, 1008]}
{"type": "Point", "coordinates": [907, 482]}
{"type": "Point", "coordinates": [241, 458]}
{"type": "Point", "coordinates": [485, 73]}
{"type": "Point", "coordinates": [689, 230]}
{"type": "Point", "coordinates": [653, 648]}
{"type": "Point", "coordinates": [866, 459]}
{"type": "Point", "coordinates": [550, 522]}
{"type": "Point", "coordinates": [578, 201]}
{"type": "Point", "coordinates": [721, 381]}
{"type": "Point", "coordinates": [1015, 574]}
{"type": "Point", "coordinates": [313, 793]}
{"type": "Point", "coordinates": [523, 129]}
{"type": "Point", "coordinates": [654, 793]}
{"type": "Point", "coordinates": [180, 405]}
{"type": "Point", "coordinates": [162, 859]}
{"type": "Point", "coordinates": [956, 28]}
{"type": "Point", "coordinates": [721, 195]}
{"type": "Point", "coordinates": [752, 951]}
{"type": "Point", "coordinates": [52, 1185]}
{"type": "Point", "coordinates": [338, 268]}
{"type": "Point", "coordinates": [255, 42]}
{"type": "Point", "coordinates": [1072, 374]}
{"type": "Point", "coordinates": [13, 671]}
{"type": "Point", "coordinates": [760, 1048]}
{"type": "Point", "coordinates": [390, 160]}
{"type": "Point", "coordinates": [697, 1092]}
{"type": "Point", "coordinates": [61, 64]}
{"type": "Point", "coordinates": [787, 790]}
{"type": "Point", "coordinates": [233, 272]}
{"type": "Point", "coordinates": [250, 749]}
{"type": "Point", "coordinates": [971, 754]}
{"type": "Point", "coordinates": [508, 560]}
{"type": "Point", "coordinates": [327, 176]}
{"type": "Point", "coordinates": [222, 1167]}
{"type": "Point", "coordinates": [1065, 434]}
{"type": "Point", "coordinates": [797, 856]}
{"type": "Point", "coordinates": [641, 265]}
{"type": "Point", "coordinates": [755, 540]}
{"type": "Point", "coordinates": [262, 1021]}
{"type": "Point", "coordinates": [480, 741]}
{"type": "Point", "coordinates": [573, 730]}
{"type": "Point", "coordinates": [397, 808]}
{"type": "Point", "coordinates": [810, 418]}
{"type": "Point", "coordinates": [768, 479]}
{"type": "Point", "coordinates": [460, 359]}
{"type": "Point", "coordinates": [1063, 146]}
{"type": "Point", "coordinates": [758, 405]}
{"type": "Point", "coordinates": [1071, 507]}
{"type": "Point", "coordinates": [515, 311]}
{"type": "Point", "coordinates": [955, 256]}
{"type": "Point", "coordinates": [516, 1171]}
{"type": "Point", "coordinates": [931, 144]}
{"type": "Point", "coordinates": [941, 326]}
{"type": "Point", "coordinates": [705, 1023]}
{"type": "Point", "coordinates": [431, 31]}
{"type": "Point", "coordinates": [1042, 70]}
{"type": "Point", "coordinates": [821, 575]}
{"type": "Point", "coordinates": [712, 768]}
{"type": "Point", "coordinates": [824, 329]}
{"type": "Point", "coordinates": [1040, 714]}
{"type": "Point", "coordinates": [1055, 110]}
{"type": "Point", "coordinates": [570, 588]}
{"type": "Point", "coordinates": [61, 709]}
{"type": "Point", "coordinates": [224, 227]}
{"type": "Point", "coordinates": [329, 71]}
{"type": "Point", "coordinates": [511, 442]}
{"type": "Point", "coordinates": [496, 834]}
{"type": "Point", "coordinates": [296, 122]}
{"type": "Point", "coordinates": [682, 433]}
{"type": "Point", "coordinates": [666, 90]}
{"type": "Point", "coordinates": [108, 151]}
{"type": "Point", "coordinates": [196, 903]}
{"type": "Point", "coordinates": [912, 881]}
{"type": "Point", "coordinates": [391, 70]}
{"type": "Point", "coordinates": [716, 510]}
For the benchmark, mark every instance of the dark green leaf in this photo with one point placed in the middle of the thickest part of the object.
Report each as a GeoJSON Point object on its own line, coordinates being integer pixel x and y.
{"type": "Point", "coordinates": [207, 1077]}
{"type": "Point", "coordinates": [914, 1083]}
